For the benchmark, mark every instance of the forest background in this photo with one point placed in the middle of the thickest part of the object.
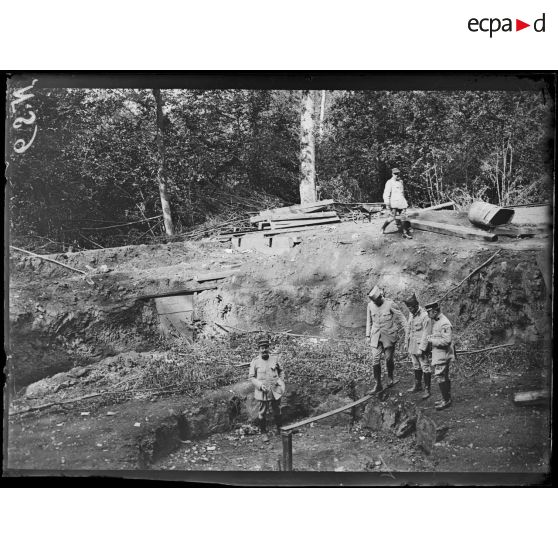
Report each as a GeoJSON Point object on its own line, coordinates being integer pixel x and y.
{"type": "Point", "coordinates": [92, 177]}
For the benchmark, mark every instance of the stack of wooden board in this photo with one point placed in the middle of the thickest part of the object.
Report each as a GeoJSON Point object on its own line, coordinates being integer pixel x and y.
{"type": "Point", "coordinates": [296, 216]}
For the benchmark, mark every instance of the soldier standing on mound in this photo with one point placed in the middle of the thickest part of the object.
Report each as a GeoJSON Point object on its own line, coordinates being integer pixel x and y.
{"type": "Point", "coordinates": [416, 343]}
{"type": "Point", "coordinates": [383, 323]}
{"type": "Point", "coordinates": [268, 378]}
{"type": "Point", "coordinates": [394, 199]}
{"type": "Point", "coordinates": [443, 352]}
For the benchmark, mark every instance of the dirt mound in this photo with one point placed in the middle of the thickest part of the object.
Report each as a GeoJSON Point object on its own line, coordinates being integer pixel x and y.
{"type": "Point", "coordinates": [59, 321]}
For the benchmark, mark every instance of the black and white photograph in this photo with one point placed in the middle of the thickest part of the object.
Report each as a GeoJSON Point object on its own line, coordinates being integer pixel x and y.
{"type": "Point", "coordinates": [265, 276]}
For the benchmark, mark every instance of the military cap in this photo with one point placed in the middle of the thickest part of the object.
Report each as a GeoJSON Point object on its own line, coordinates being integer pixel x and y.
{"type": "Point", "coordinates": [432, 306]}
{"type": "Point", "coordinates": [375, 292]}
{"type": "Point", "coordinates": [411, 300]}
{"type": "Point", "coordinates": [263, 341]}
{"type": "Point", "coordinates": [395, 170]}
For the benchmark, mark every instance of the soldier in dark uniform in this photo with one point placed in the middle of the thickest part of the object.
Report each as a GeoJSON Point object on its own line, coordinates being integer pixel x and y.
{"type": "Point", "coordinates": [268, 378]}
{"type": "Point", "coordinates": [416, 343]}
{"type": "Point", "coordinates": [443, 352]}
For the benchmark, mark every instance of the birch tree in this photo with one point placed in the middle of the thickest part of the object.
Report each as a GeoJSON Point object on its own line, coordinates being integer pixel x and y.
{"type": "Point", "coordinates": [161, 176]}
{"type": "Point", "coordinates": [307, 149]}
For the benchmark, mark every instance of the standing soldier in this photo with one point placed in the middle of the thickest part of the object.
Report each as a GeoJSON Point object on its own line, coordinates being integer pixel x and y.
{"type": "Point", "coordinates": [383, 323]}
{"type": "Point", "coordinates": [443, 353]}
{"type": "Point", "coordinates": [417, 344]}
{"type": "Point", "coordinates": [268, 378]}
{"type": "Point", "coordinates": [394, 198]}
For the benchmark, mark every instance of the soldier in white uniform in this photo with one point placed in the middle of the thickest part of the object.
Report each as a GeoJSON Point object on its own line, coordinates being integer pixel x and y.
{"type": "Point", "coordinates": [443, 352]}
{"type": "Point", "coordinates": [268, 378]}
{"type": "Point", "coordinates": [394, 198]}
{"type": "Point", "coordinates": [383, 323]}
{"type": "Point", "coordinates": [416, 343]}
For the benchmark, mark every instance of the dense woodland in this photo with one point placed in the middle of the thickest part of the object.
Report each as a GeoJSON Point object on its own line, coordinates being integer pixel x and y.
{"type": "Point", "coordinates": [101, 158]}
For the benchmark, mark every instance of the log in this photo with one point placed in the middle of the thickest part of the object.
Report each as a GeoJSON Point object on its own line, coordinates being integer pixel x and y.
{"type": "Point", "coordinates": [452, 230]}
{"type": "Point", "coordinates": [538, 397]}
{"type": "Point", "coordinates": [290, 224]}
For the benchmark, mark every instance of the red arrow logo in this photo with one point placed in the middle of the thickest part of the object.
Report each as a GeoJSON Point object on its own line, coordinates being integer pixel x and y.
{"type": "Point", "coordinates": [519, 25]}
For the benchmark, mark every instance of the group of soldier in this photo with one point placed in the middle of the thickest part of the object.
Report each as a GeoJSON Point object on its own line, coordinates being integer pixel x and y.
{"type": "Point", "coordinates": [428, 341]}
{"type": "Point", "coordinates": [428, 336]}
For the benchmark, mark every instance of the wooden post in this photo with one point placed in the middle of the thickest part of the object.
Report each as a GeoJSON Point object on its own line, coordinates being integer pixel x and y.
{"type": "Point", "coordinates": [287, 438]}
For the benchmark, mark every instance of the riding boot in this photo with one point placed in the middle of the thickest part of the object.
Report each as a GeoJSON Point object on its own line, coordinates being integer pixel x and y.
{"type": "Point", "coordinates": [418, 382]}
{"type": "Point", "coordinates": [263, 425]}
{"type": "Point", "coordinates": [390, 366]}
{"type": "Point", "coordinates": [446, 398]}
{"type": "Point", "coordinates": [399, 226]}
{"type": "Point", "coordinates": [377, 370]}
{"type": "Point", "coordinates": [427, 381]}
{"type": "Point", "coordinates": [407, 229]}
{"type": "Point", "coordinates": [278, 424]}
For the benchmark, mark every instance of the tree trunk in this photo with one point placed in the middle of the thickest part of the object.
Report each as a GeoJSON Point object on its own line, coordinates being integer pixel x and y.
{"type": "Point", "coordinates": [307, 150]}
{"type": "Point", "coordinates": [161, 177]}
{"type": "Point", "coordinates": [322, 114]}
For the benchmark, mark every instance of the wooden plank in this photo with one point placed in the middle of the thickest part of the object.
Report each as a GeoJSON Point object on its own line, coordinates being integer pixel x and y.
{"type": "Point", "coordinates": [537, 397]}
{"type": "Point", "coordinates": [302, 216]}
{"type": "Point", "coordinates": [173, 304]}
{"type": "Point", "coordinates": [336, 411]}
{"type": "Point", "coordinates": [307, 208]}
{"type": "Point", "coordinates": [436, 207]}
{"type": "Point", "coordinates": [293, 230]}
{"type": "Point", "coordinates": [290, 224]}
{"type": "Point", "coordinates": [192, 290]}
{"type": "Point", "coordinates": [215, 276]}
{"type": "Point", "coordinates": [452, 230]}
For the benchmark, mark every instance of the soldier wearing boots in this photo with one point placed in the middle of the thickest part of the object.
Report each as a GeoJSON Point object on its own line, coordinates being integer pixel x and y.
{"type": "Point", "coordinates": [394, 199]}
{"type": "Point", "coordinates": [443, 353]}
{"type": "Point", "coordinates": [416, 343]}
{"type": "Point", "coordinates": [268, 378]}
{"type": "Point", "coordinates": [383, 323]}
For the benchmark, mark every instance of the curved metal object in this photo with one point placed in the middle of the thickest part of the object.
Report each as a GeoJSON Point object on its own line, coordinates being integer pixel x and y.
{"type": "Point", "coordinates": [485, 214]}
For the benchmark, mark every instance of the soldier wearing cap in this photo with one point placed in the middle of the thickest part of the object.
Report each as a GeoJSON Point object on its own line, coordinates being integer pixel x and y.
{"type": "Point", "coordinates": [394, 199]}
{"type": "Point", "coordinates": [443, 353]}
{"type": "Point", "coordinates": [383, 323]}
{"type": "Point", "coordinates": [268, 378]}
{"type": "Point", "coordinates": [416, 343]}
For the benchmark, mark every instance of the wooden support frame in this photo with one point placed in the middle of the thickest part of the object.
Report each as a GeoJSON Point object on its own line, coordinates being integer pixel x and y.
{"type": "Point", "coordinates": [286, 431]}
{"type": "Point", "coordinates": [193, 290]}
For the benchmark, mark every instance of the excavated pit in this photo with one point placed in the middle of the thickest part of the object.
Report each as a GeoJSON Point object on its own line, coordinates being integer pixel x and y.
{"type": "Point", "coordinates": [61, 324]}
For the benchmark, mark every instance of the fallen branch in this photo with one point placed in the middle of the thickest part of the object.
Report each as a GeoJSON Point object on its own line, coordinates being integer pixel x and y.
{"type": "Point", "coordinates": [47, 405]}
{"type": "Point", "coordinates": [120, 225]}
{"type": "Point", "coordinates": [470, 275]}
{"type": "Point", "coordinates": [465, 352]}
{"type": "Point", "coordinates": [91, 241]}
{"type": "Point", "coordinates": [48, 260]}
